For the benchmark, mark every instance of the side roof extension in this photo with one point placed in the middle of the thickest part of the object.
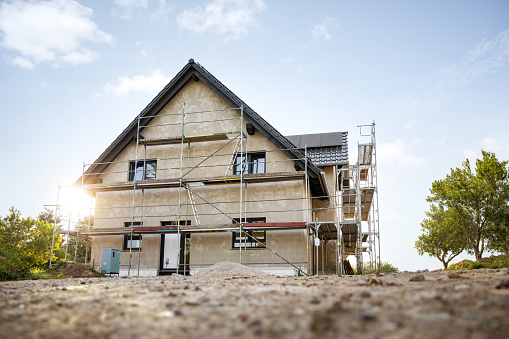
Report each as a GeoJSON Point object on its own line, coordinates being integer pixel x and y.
{"type": "Point", "coordinates": [324, 149]}
{"type": "Point", "coordinates": [196, 72]}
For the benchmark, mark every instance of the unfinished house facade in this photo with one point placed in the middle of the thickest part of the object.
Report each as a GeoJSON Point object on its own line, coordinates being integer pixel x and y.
{"type": "Point", "coordinates": [198, 177]}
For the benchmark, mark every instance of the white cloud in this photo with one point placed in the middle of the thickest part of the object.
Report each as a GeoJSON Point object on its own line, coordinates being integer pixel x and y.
{"type": "Point", "coordinates": [485, 58]}
{"type": "Point", "coordinates": [22, 62]}
{"type": "Point", "coordinates": [232, 18]}
{"type": "Point", "coordinates": [322, 30]}
{"type": "Point", "coordinates": [49, 32]}
{"type": "Point", "coordinates": [126, 8]}
{"type": "Point", "coordinates": [490, 144]}
{"type": "Point", "coordinates": [394, 152]}
{"type": "Point", "coordinates": [410, 125]}
{"type": "Point", "coordinates": [153, 82]}
{"type": "Point", "coordinates": [144, 47]}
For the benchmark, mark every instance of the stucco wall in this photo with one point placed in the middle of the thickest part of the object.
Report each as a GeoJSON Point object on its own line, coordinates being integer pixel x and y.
{"type": "Point", "coordinates": [209, 248]}
{"type": "Point", "coordinates": [286, 198]}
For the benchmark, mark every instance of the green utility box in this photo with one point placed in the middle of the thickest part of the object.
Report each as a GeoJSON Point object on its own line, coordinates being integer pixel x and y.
{"type": "Point", "coordinates": [110, 263]}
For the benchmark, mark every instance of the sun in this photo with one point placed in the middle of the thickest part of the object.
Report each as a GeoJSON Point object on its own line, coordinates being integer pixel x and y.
{"type": "Point", "coordinates": [75, 200]}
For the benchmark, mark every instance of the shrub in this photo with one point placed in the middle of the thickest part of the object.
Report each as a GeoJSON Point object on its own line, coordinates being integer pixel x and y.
{"type": "Point", "coordinates": [369, 268]}
{"type": "Point", "coordinates": [37, 273]}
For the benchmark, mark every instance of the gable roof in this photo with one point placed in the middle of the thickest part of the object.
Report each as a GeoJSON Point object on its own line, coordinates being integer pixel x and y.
{"type": "Point", "coordinates": [194, 71]}
{"type": "Point", "coordinates": [324, 149]}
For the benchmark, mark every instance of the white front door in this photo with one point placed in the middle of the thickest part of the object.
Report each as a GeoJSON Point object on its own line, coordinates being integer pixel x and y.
{"type": "Point", "coordinates": [170, 246]}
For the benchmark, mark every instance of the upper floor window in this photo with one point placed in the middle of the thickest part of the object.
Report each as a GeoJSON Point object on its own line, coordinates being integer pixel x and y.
{"type": "Point", "coordinates": [142, 170]}
{"type": "Point", "coordinates": [253, 163]}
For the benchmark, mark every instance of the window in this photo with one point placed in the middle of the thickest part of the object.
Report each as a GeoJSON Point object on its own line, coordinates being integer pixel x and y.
{"type": "Point", "coordinates": [133, 243]}
{"type": "Point", "coordinates": [247, 241]}
{"type": "Point", "coordinates": [142, 170]}
{"type": "Point", "coordinates": [255, 163]}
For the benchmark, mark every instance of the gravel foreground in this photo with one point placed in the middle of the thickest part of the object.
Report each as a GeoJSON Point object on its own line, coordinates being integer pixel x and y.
{"type": "Point", "coordinates": [243, 302]}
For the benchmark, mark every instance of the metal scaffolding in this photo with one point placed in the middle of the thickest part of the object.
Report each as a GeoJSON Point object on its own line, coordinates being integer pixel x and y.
{"type": "Point", "coordinates": [353, 198]}
{"type": "Point", "coordinates": [358, 207]}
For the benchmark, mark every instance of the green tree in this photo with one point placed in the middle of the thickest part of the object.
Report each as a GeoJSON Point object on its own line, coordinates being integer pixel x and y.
{"type": "Point", "coordinates": [47, 216]}
{"type": "Point", "coordinates": [442, 235]}
{"type": "Point", "coordinates": [477, 197]}
{"type": "Point", "coordinates": [498, 235]}
{"type": "Point", "coordinates": [25, 243]}
{"type": "Point", "coordinates": [83, 252]}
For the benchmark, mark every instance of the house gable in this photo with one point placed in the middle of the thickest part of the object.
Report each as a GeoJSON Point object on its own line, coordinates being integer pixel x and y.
{"type": "Point", "coordinates": [194, 72]}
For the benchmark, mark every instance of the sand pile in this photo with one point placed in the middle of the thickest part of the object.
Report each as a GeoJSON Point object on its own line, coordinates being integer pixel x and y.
{"type": "Point", "coordinates": [227, 268]}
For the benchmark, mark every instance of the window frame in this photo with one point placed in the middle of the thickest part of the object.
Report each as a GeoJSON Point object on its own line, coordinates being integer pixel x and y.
{"type": "Point", "coordinates": [144, 164]}
{"type": "Point", "coordinates": [135, 237]}
{"type": "Point", "coordinates": [248, 242]}
{"type": "Point", "coordinates": [251, 164]}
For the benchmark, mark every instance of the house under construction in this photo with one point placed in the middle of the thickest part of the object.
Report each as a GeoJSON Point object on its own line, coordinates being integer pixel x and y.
{"type": "Point", "coordinates": [198, 177]}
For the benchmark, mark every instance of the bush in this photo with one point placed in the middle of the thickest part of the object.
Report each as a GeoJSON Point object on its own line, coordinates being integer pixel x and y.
{"type": "Point", "coordinates": [369, 268]}
{"type": "Point", "coordinates": [492, 262]}
{"type": "Point", "coordinates": [37, 273]}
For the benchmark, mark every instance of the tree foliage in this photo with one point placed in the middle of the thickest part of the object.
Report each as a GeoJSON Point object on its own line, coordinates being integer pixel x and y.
{"type": "Point", "coordinates": [477, 197]}
{"type": "Point", "coordinates": [83, 252]}
{"type": "Point", "coordinates": [47, 216]}
{"type": "Point", "coordinates": [25, 243]}
{"type": "Point", "coordinates": [442, 235]}
{"type": "Point", "coordinates": [498, 235]}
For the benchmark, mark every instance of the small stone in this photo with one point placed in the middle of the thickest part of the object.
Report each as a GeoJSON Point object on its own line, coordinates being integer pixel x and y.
{"type": "Point", "coordinates": [418, 277]}
{"type": "Point", "coordinates": [374, 281]}
{"type": "Point", "coordinates": [166, 314]}
{"type": "Point", "coordinates": [504, 283]}
{"type": "Point", "coordinates": [365, 294]}
{"type": "Point", "coordinates": [243, 317]}
{"type": "Point", "coordinates": [440, 316]}
{"type": "Point", "coordinates": [192, 302]}
{"type": "Point", "coordinates": [256, 327]}
{"type": "Point", "coordinates": [462, 287]}
{"type": "Point", "coordinates": [368, 316]}
{"type": "Point", "coordinates": [453, 275]}
{"type": "Point", "coordinates": [495, 323]}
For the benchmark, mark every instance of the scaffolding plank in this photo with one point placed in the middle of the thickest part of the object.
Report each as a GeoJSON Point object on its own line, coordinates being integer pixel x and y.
{"type": "Point", "coordinates": [349, 203]}
{"type": "Point", "coordinates": [175, 182]}
{"type": "Point", "coordinates": [187, 138]}
{"type": "Point", "coordinates": [365, 154]}
{"type": "Point", "coordinates": [188, 228]}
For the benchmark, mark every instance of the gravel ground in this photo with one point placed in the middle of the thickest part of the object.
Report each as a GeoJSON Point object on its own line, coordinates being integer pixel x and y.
{"type": "Point", "coordinates": [244, 303]}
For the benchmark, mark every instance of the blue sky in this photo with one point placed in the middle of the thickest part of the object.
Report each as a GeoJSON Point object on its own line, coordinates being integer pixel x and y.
{"type": "Point", "coordinates": [434, 76]}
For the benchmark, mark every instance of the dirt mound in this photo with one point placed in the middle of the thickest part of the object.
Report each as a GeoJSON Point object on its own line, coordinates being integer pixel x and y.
{"type": "Point", "coordinates": [227, 268]}
{"type": "Point", "coordinates": [68, 269]}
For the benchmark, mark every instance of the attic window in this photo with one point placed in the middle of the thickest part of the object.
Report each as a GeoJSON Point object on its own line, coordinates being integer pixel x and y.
{"type": "Point", "coordinates": [142, 170]}
{"type": "Point", "coordinates": [254, 163]}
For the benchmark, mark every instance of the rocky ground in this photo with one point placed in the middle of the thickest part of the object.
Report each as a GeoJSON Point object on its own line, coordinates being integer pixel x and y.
{"type": "Point", "coordinates": [235, 301]}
